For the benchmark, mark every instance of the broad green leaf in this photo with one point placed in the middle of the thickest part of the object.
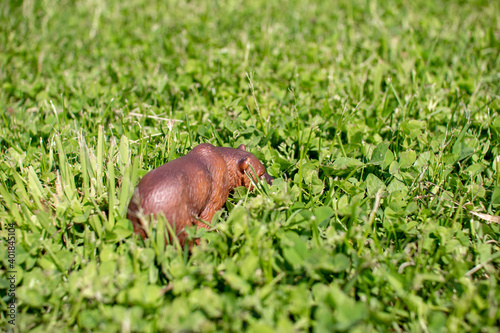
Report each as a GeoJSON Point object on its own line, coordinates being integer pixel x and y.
{"type": "Point", "coordinates": [397, 185]}
{"type": "Point", "coordinates": [323, 213]}
{"type": "Point", "coordinates": [294, 248]}
{"type": "Point", "coordinates": [248, 266]}
{"type": "Point", "coordinates": [475, 168]}
{"type": "Point", "coordinates": [237, 220]}
{"type": "Point", "coordinates": [413, 127]}
{"type": "Point", "coordinates": [341, 262]}
{"type": "Point", "coordinates": [346, 162]}
{"type": "Point", "coordinates": [406, 159]}
{"type": "Point", "coordinates": [463, 150]}
{"type": "Point", "coordinates": [496, 123]}
{"type": "Point", "coordinates": [495, 197]}
{"type": "Point", "coordinates": [373, 184]}
{"type": "Point", "coordinates": [237, 283]}
{"type": "Point", "coordinates": [389, 158]}
{"type": "Point", "coordinates": [342, 166]}
{"type": "Point", "coordinates": [423, 159]}
{"type": "Point", "coordinates": [147, 257]}
{"type": "Point", "coordinates": [380, 153]}
{"type": "Point", "coordinates": [144, 295]}
{"type": "Point", "coordinates": [450, 158]}
{"type": "Point", "coordinates": [90, 319]}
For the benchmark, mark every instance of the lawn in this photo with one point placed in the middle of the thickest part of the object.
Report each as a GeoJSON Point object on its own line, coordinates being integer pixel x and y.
{"type": "Point", "coordinates": [380, 121]}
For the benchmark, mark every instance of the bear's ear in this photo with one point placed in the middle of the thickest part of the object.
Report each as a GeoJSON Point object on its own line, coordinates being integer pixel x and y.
{"type": "Point", "coordinates": [244, 163]}
{"type": "Point", "coordinates": [242, 147]}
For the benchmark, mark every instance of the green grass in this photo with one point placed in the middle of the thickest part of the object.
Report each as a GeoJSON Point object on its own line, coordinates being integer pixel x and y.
{"type": "Point", "coordinates": [379, 120]}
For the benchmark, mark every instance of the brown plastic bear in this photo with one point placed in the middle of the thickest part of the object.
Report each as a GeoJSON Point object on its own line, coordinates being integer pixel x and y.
{"type": "Point", "coordinates": [193, 187]}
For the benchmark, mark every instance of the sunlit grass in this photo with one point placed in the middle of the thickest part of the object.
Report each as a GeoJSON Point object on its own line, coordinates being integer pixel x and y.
{"type": "Point", "coordinates": [379, 120]}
